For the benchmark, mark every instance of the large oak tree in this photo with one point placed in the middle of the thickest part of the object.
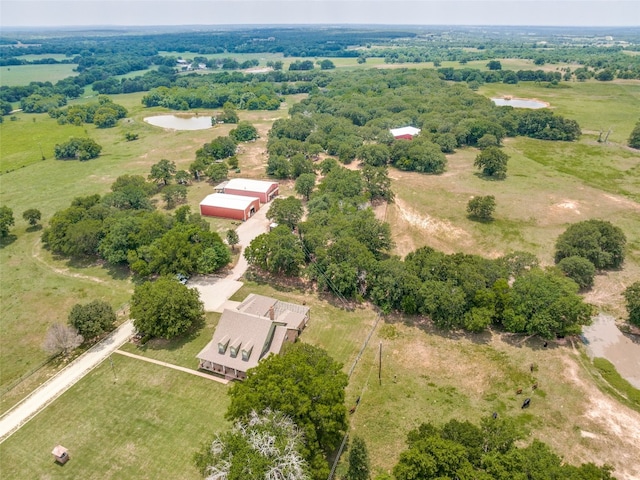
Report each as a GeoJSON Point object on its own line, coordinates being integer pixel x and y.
{"type": "Point", "coordinates": [305, 384]}
{"type": "Point", "coordinates": [165, 308]}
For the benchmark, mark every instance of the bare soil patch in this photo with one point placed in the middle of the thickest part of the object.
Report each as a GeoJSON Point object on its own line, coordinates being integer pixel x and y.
{"type": "Point", "coordinates": [613, 430]}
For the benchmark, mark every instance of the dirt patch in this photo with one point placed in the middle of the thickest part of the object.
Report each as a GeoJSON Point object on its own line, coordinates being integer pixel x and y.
{"type": "Point", "coordinates": [613, 430]}
{"type": "Point", "coordinates": [441, 232]}
{"type": "Point", "coordinates": [567, 205]}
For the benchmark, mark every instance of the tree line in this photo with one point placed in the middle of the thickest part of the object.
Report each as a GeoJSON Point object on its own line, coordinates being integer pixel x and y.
{"type": "Point", "coordinates": [344, 250]}
{"type": "Point", "coordinates": [123, 228]}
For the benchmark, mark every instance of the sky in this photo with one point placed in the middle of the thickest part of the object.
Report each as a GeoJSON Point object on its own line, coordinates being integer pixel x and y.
{"type": "Point", "coordinates": [58, 13]}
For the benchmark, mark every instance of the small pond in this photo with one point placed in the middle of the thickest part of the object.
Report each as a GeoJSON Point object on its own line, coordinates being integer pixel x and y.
{"type": "Point", "coordinates": [180, 122]}
{"type": "Point", "coordinates": [519, 103]}
{"type": "Point", "coordinates": [607, 341]}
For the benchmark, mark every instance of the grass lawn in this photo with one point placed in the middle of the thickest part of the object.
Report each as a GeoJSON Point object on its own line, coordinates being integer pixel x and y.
{"type": "Point", "coordinates": [145, 425]}
{"type": "Point", "coordinates": [15, 75]}
{"type": "Point", "coordinates": [181, 351]}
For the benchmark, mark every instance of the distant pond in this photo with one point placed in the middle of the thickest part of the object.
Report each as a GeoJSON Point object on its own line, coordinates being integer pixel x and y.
{"type": "Point", "coordinates": [519, 103]}
{"type": "Point", "coordinates": [180, 122]}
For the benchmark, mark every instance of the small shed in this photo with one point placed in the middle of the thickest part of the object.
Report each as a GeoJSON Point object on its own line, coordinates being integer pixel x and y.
{"type": "Point", "coordinates": [406, 133]}
{"type": "Point", "coordinates": [264, 190]}
{"type": "Point", "coordinates": [223, 205]}
{"type": "Point", "coordinates": [60, 454]}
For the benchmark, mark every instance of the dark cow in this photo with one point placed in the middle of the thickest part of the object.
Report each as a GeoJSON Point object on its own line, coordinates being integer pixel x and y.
{"type": "Point", "coordinates": [495, 415]}
{"type": "Point", "coordinates": [526, 403]}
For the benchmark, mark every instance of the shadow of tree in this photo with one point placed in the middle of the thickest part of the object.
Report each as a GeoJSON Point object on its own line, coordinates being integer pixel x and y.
{"type": "Point", "coordinates": [426, 325]}
{"type": "Point", "coordinates": [8, 240]}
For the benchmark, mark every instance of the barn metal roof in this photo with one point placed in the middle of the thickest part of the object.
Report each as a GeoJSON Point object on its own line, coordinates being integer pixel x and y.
{"type": "Point", "coordinates": [396, 132]}
{"type": "Point", "coordinates": [249, 185]}
{"type": "Point", "coordinates": [224, 200]}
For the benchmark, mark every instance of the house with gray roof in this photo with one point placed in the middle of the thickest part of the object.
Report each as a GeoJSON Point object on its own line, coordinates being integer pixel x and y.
{"type": "Point", "coordinates": [255, 329]}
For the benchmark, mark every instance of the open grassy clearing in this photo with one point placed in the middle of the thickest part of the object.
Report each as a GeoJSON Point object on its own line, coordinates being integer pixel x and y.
{"type": "Point", "coordinates": [37, 291]}
{"type": "Point", "coordinates": [180, 351]}
{"type": "Point", "coordinates": [24, 74]}
{"type": "Point", "coordinates": [597, 106]}
{"type": "Point", "coordinates": [147, 424]}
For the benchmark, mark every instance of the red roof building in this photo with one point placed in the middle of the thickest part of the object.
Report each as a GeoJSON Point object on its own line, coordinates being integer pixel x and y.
{"type": "Point", "coordinates": [222, 205]}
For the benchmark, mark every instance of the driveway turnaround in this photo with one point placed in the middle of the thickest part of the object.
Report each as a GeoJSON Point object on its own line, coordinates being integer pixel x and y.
{"type": "Point", "coordinates": [215, 291]}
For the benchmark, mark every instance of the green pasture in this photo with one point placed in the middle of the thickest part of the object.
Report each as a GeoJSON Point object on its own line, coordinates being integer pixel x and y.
{"type": "Point", "coordinates": [137, 73]}
{"type": "Point", "coordinates": [596, 106]}
{"type": "Point", "coordinates": [430, 376]}
{"type": "Point", "coordinates": [24, 74]}
{"type": "Point", "coordinates": [36, 291]}
{"type": "Point", "coordinates": [40, 56]}
{"type": "Point", "coordinates": [137, 421]}
{"type": "Point", "coordinates": [180, 351]}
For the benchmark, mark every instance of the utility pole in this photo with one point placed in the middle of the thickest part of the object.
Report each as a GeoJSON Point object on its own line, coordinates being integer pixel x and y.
{"type": "Point", "coordinates": [380, 366]}
{"type": "Point", "coordinates": [113, 369]}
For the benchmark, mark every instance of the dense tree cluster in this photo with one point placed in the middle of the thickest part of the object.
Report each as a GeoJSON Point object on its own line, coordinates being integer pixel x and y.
{"type": "Point", "coordinates": [93, 318]}
{"type": "Point", "coordinates": [482, 207]}
{"type": "Point", "coordinates": [487, 452]}
{"type": "Point", "coordinates": [305, 384]}
{"type": "Point", "coordinates": [209, 159]}
{"type": "Point", "coordinates": [38, 103]}
{"type": "Point", "coordinates": [244, 132]}
{"type": "Point", "coordinates": [104, 113]}
{"type": "Point", "coordinates": [344, 249]}
{"type": "Point", "coordinates": [634, 137]}
{"type": "Point", "coordinates": [166, 308]}
{"type": "Point", "coordinates": [261, 96]}
{"type": "Point", "coordinates": [350, 117]}
{"type": "Point", "coordinates": [598, 241]}
{"type": "Point", "coordinates": [6, 220]}
{"type": "Point", "coordinates": [77, 149]}
{"type": "Point", "coordinates": [492, 162]}
{"type": "Point", "coordinates": [32, 215]}
{"type": "Point", "coordinates": [122, 228]}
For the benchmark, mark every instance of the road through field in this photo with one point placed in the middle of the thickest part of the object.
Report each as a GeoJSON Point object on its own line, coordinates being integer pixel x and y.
{"type": "Point", "coordinates": [63, 380]}
{"type": "Point", "coordinates": [213, 293]}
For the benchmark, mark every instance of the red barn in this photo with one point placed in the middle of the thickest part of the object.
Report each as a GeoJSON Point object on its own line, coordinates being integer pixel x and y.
{"type": "Point", "coordinates": [406, 133]}
{"type": "Point", "coordinates": [264, 190]}
{"type": "Point", "coordinates": [223, 205]}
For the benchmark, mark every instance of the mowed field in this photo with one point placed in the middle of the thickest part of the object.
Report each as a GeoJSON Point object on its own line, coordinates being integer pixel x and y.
{"type": "Point", "coordinates": [153, 419]}
{"type": "Point", "coordinates": [23, 74]}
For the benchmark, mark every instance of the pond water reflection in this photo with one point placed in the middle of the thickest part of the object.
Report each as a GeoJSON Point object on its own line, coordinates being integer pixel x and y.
{"type": "Point", "coordinates": [180, 122]}
{"type": "Point", "coordinates": [607, 341]}
{"type": "Point", "coordinates": [519, 103]}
